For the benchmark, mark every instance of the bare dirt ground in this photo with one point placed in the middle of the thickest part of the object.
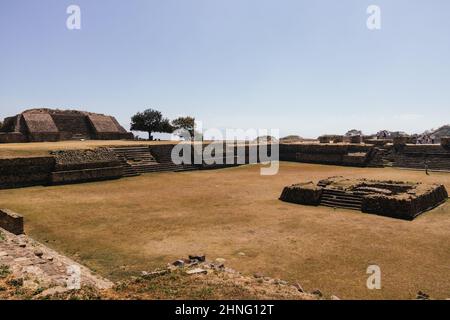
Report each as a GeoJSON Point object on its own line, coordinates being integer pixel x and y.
{"type": "Point", "coordinates": [122, 227]}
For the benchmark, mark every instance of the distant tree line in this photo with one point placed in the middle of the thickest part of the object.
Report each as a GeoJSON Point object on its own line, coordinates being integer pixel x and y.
{"type": "Point", "coordinates": [152, 121]}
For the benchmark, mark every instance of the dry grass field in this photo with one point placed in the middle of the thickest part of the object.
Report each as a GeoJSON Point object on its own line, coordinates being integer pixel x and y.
{"type": "Point", "coordinates": [122, 227]}
{"type": "Point", "coordinates": [32, 149]}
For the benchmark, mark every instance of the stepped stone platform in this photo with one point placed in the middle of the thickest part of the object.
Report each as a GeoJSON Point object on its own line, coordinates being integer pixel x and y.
{"type": "Point", "coordinates": [396, 199]}
{"type": "Point", "coordinates": [137, 160]}
{"type": "Point", "coordinates": [38, 125]}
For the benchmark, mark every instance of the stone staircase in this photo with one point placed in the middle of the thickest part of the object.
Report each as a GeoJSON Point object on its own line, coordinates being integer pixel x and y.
{"type": "Point", "coordinates": [380, 158]}
{"type": "Point", "coordinates": [340, 199]}
{"type": "Point", "coordinates": [137, 160]}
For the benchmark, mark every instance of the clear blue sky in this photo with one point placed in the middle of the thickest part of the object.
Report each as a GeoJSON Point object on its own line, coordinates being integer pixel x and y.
{"type": "Point", "coordinates": [305, 67]}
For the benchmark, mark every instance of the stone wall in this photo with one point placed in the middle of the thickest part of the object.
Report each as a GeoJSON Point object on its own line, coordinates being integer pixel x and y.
{"type": "Point", "coordinates": [445, 142]}
{"type": "Point", "coordinates": [12, 137]}
{"type": "Point", "coordinates": [331, 139]}
{"type": "Point", "coordinates": [86, 175]}
{"type": "Point", "coordinates": [336, 154]}
{"type": "Point", "coordinates": [434, 157]}
{"type": "Point", "coordinates": [69, 124]}
{"type": "Point", "coordinates": [67, 160]}
{"type": "Point", "coordinates": [75, 166]}
{"type": "Point", "coordinates": [401, 207]}
{"type": "Point", "coordinates": [24, 172]}
{"type": "Point", "coordinates": [11, 221]}
{"type": "Point", "coordinates": [302, 193]}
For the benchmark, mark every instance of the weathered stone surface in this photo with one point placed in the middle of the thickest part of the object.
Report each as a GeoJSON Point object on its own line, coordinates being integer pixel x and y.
{"type": "Point", "coordinates": [403, 200]}
{"type": "Point", "coordinates": [198, 257]}
{"type": "Point", "coordinates": [27, 264]}
{"type": "Point", "coordinates": [54, 125]}
{"type": "Point", "coordinates": [419, 199]}
{"type": "Point", "coordinates": [24, 172]}
{"type": "Point", "coordinates": [11, 221]}
{"type": "Point", "coordinates": [303, 193]}
{"type": "Point", "coordinates": [196, 271]}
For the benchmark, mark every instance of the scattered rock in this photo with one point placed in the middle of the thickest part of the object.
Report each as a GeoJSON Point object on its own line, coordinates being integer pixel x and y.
{"type": "Point", "coordinates": [258, 275]}
{"type": "Point", "coordinates": [242, 254]}
{"type": "Point", "coordinates": [317, 292]}
{"type": "Point", "coordinates": [154, 274]}
{"type": "Point", "coordinates": [198, 257]}
{"type": "Point", "coordinates": [38, 253]}
{"type": "Point", "coordinates": [422, 296]}
{"type": "Point", "coordinates": [197, 271]}
{"type": "Point", "coordinates": [178, 263]}
{"type": "Point", "coordinates": [333, 297]}
{"type": "Point", "coordinates": [3, 254]}
{"type": "Point", "coordinates": [299, 287]}
{"type": "Point", "coordinates": [22, 244]}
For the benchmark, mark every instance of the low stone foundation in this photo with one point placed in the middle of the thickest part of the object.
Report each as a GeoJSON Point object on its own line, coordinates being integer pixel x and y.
{"type": "Point", "coordinates": [396, 199]}
{"type": "Point", "coordinates": [302, 193]}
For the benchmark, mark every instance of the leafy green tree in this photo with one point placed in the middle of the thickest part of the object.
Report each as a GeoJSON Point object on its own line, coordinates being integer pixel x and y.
{"type": "Point", "coordinates": [185, 123]}
{"type": "Point", "coordinates": [150, 121]}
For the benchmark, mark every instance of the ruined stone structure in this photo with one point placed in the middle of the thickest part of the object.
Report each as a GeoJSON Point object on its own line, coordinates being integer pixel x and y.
{"type": "Point", "coordinates": [331, 139]}
{"type": "Point", "coordinates": [402, 200]}
{"type": "Point", "coordinates": [74, 166]}
{"type": "Point", "coordinates": [337, 154]}
{"type": "Point", "coordinates": [37, 125]}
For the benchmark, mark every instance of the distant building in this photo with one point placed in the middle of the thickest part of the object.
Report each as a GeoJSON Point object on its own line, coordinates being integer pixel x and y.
{"type": "Point", "coordinates": [37, 125]}
{"type": "Point", "coordinates": [385, 134]}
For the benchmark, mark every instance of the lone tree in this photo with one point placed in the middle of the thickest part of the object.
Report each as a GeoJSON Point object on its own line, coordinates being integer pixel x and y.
{"type": "Point", "coordinates": [185, 123]}
{"type": "Point", "coordinates": [150, 121]}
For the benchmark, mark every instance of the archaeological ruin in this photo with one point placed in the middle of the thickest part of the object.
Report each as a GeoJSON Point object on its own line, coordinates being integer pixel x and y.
{"type": "Point", "coordinates": [38, 125]}
{"type": "Point", "coordinates": [395, 199]}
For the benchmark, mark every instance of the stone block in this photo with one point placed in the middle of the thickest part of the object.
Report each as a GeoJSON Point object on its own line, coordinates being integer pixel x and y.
{"type": "Point", "coordinates": [11, 221]}
{"type": "Point", "coordinates": [303, 193]}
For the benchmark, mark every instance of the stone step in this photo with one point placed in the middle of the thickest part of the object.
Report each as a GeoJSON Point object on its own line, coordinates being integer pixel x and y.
{"type": "Point", "coordinates": [340, 205]}
{"type": "Point", "coordinates": [339, 193]}
{"type": "Point", "coordinates": [341, 199]}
